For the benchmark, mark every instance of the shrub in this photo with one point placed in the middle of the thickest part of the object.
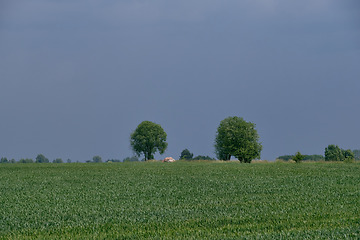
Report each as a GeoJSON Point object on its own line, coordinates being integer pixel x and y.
{"type": "Point", "coordinates": [298, 157]}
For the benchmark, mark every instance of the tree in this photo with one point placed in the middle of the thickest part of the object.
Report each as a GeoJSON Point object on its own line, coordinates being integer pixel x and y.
{"type": "Point", "coordinates": [4, 160]}
{"type": "Point", "coordinates": [147, 139]}
{"type": "Point", "coordinates": [58, 160]}
{"type": "Point", "coordinates": [298, 157]}
{"type": "Point", "coordinates": [26, 160]}
{"type": "Point", "coordinates": [40, 158]}
{"type": "Point", "coordinates": [97, 159]}
{"type": "Point", "coordinates": [68, 161]}
{"type": "Point", "coordinates": [349, 155]}
{"type": "Point", "coordinates": [186, 154]}
{"type": "Point", "coordinates": [334, 153]}
{"type": "Point", "coordinates": [357, 154]}
{"type": "Point", "coordinates": [238, 138]}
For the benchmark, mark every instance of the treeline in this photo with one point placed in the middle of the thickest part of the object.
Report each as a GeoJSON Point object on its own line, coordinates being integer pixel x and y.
{"type": "Point", "coordinates": [332, 153]}
{"type": "Point", "coordinates": [187, 155]}
{"type": "Point", "coordinates": [40, 158]}
{"type": "Point", "coordinates": [314, 157]}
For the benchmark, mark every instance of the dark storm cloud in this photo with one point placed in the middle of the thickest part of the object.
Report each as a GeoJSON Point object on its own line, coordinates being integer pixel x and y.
{"type": "Point", "coordinates": [79, 76]}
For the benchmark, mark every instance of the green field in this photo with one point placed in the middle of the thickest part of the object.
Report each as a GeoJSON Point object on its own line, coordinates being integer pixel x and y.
{"type": "Point", "coordinates": [182, 200]}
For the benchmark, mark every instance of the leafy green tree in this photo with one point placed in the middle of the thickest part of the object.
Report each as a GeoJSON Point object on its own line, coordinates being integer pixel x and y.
{"type": "Point", "coordinates": [68, 161]}
{"type": "Point", "coordinates": [58, 160]}
{"type": "Point", "coordinates": [147, 139]}
{"type": "Point", "coordinates": [349, 155]}
{"type": "Point", "coordinates": [12, 161]}
{"type": "Point", "coordinates": [238, 138]}
{"type": "Point", "coordinates": [186, 154]}
{"type": "Point", "coordinates": [97, 159]}
{"type": "Point", "coordinates": [298, 157]}
{"type": "Point", "coordinates": [357, 154]}
{"type": "Point", "coordinates": [4, 160]}
{"type": "Point", "coordinates": [333, 153]}
{"type": "Point", "coordinates": [40, 158]}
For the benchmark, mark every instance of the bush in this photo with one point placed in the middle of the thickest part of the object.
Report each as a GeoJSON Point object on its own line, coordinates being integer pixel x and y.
{"type": "Point", "coordinates": [349, 160]}
{"type": "Point", "coordinates": [186, 155]}
{"type": "Point", "coordinates": [97, 159]}
{"type": "Point", "coordinates": [41, 159]}
{"type": "Point", "coordinates": [298, 157]}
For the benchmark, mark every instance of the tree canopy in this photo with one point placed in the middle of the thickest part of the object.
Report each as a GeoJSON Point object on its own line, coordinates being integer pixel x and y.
{"type": "Point", "coordinates": [335, 153]}
{"type": "Point", "coordinates": [298, 157]}
{"type": "Point", "coordinates": [40, 158]}
{"type": "Point", "coordinates": [186, 154]}
{"type": "Point", "coordinates": [147, 139]}
{"type": "Point", "coordinates": [97, 159]}
{"type": "Point", "coordinates": [238, 138]}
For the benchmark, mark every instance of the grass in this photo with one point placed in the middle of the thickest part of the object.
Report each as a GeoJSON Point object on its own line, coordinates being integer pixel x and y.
{"type": "Point", "coordinates": [182, 200]}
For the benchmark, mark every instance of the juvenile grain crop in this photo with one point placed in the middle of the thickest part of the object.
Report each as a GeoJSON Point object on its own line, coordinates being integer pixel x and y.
{"type": "Point", "coordinates": [182, 200]}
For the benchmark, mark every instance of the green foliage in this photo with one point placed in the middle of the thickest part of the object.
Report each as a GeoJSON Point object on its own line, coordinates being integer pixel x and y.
{"type": "Point", "coordinates": [238, 138]}
{"type": "Point", "coordinates": [202, 157]}
{"type": "Point", "coordinates": [356, 154]}
{"type": "Point", "coordinates": [131, 159]}
{"type": "Point", "coordinates": [58, 160]}
{"type": "Point", "coordinates": [186, 154]}
{"type": "Point", "coordinates": [285, 157]}
{"type": "Point", "coordinates": [40, 158]}
{"type": "Point", "coordinates": [184, 200]}
{"type": "Point", "coordinates": [298, 157]}
{"type": "Point", "coordinates": [349, 156]}
{"type": "Point", "coordinates": [334, 153]}
{"type": "Point", "coordinates": [68, 161]}
{"type": "Point", "coordinates": [4, 160]}
{"type": "Point", "coordinates": [113, 160]}
{"type": "Point", "coordinates": [97, 159]}
{"type": "Point", "coordinates": [313, 157]}
{"type": "Point", "coordinates": [26, 160]}
{"type": "Point", "coordinates": [147, 139]}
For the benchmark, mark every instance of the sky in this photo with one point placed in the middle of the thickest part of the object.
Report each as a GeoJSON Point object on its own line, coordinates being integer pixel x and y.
{"type": "Point", "coordinates": [77, 77]}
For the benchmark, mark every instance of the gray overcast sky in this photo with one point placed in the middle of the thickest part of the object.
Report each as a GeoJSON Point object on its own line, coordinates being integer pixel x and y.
{"type": "Point", "coordinates": [77, 77]}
